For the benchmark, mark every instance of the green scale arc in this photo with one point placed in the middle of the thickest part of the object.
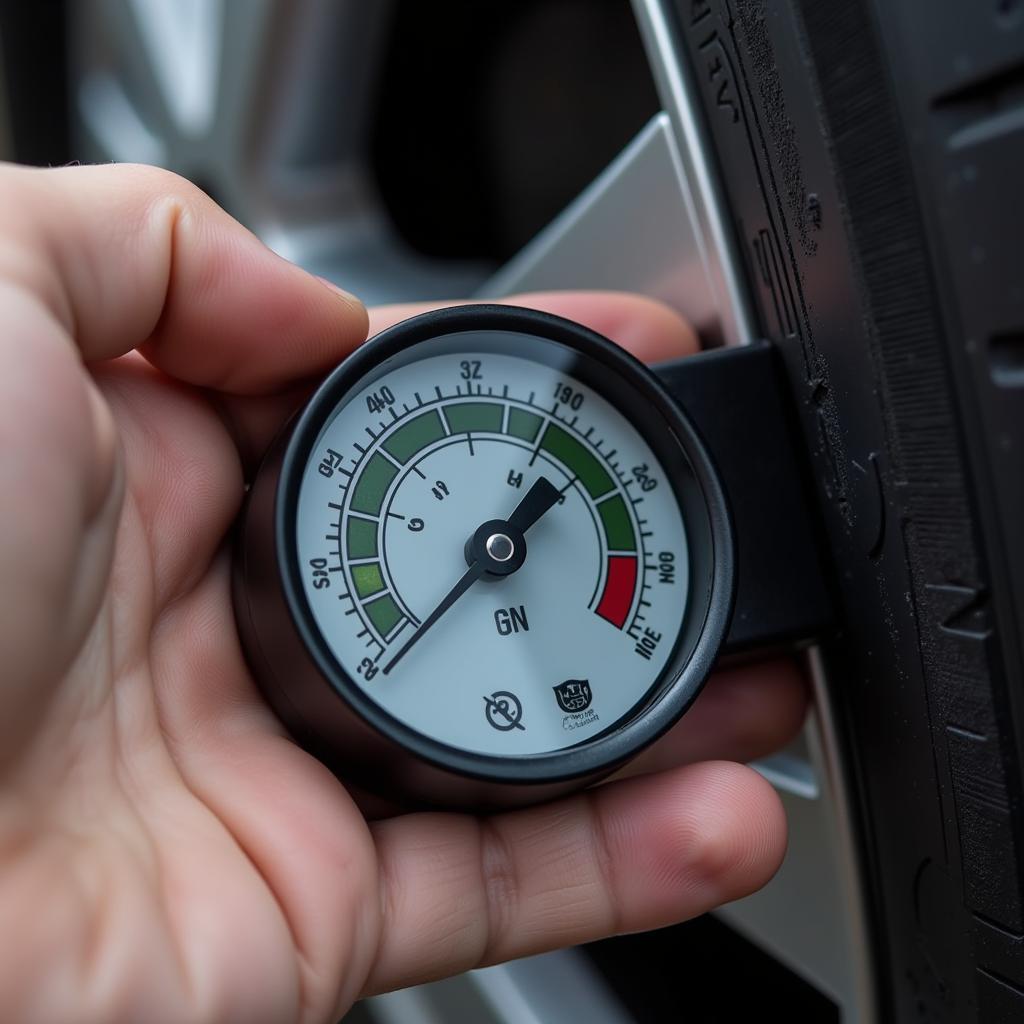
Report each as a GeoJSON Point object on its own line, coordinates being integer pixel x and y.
{"type": "Point", "coordinates": [414, 435]}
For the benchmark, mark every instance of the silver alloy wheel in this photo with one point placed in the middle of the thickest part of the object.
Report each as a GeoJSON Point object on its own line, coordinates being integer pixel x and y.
{"type": "Point", "coordinates": [266, 104]}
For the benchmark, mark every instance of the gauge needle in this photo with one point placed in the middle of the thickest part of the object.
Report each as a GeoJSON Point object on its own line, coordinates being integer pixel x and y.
{"type": "Point", "coordinates": [537, 500]}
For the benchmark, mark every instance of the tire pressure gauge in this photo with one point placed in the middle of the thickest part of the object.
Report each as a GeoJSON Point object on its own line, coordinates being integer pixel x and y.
{"type": "Point", "coordinates": [490, 561]}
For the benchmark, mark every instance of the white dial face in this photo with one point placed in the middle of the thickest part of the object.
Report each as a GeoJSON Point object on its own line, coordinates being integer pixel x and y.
{"type": "Point", "coordinates": [409, 469]}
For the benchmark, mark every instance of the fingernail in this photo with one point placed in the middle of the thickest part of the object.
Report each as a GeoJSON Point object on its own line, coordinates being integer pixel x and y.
{"type": "Point", "coordinates": [347, 296]}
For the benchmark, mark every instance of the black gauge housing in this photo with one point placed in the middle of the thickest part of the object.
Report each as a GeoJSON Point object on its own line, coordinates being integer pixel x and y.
{"type": "Point", "coordinates": [331, 716]}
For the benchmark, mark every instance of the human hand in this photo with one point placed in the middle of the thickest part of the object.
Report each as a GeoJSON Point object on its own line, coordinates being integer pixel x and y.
{"type": "Point", "coordinates": [166, 851]}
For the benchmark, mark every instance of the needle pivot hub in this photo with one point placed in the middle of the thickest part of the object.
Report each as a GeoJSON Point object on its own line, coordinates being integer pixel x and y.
{"type": "Point", "coordinates": [498, 547]}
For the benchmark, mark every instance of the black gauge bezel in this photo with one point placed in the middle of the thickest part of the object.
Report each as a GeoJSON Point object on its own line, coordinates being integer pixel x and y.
{"type": "Point", "coordinates": [695, 482]}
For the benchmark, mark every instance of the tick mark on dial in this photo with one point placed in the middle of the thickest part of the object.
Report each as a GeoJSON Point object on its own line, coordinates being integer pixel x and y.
{"type": "Point", "coordinates": [536, 450]}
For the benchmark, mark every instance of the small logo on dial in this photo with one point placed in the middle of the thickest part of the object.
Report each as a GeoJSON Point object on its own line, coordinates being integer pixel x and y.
{"type": "Point", "coordinates": [573, 695]}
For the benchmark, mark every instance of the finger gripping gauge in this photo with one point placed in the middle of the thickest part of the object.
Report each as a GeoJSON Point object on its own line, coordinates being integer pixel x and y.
{"type": "Point", "coordinates": [492, 559]}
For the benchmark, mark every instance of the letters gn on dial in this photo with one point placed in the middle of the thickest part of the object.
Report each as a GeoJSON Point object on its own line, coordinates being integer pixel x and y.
{"type": "Point", "coordinates": [552, 645]}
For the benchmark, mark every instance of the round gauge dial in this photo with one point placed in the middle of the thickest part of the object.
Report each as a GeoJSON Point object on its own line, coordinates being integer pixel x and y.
{"type": "Point", "coordinates": [499, 544]}
{"type": "Point", "coordinates": [532, 660]}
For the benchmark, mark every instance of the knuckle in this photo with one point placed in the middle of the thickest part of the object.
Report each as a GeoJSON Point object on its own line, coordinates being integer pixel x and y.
{"type": "Point", "coordinates": [500, 885]}
{"type": "Point", "coordinates": [603, 858]}
{"type": "Point", "coordinates": [160, 180]}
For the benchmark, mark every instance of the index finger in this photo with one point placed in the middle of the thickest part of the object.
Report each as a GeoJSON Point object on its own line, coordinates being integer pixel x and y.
{"type": "Point", "coordinates": [646, 327]}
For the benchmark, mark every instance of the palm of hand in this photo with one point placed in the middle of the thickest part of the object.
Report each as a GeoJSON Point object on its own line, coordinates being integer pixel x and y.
{"type": "Point", "coordinates": [206, 862]}
{"type": "Point", "coordinates": [168, 852]}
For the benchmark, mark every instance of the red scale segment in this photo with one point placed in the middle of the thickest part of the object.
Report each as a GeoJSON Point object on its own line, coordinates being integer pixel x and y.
{"type": "Point", "coordinates": [619, 587]}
